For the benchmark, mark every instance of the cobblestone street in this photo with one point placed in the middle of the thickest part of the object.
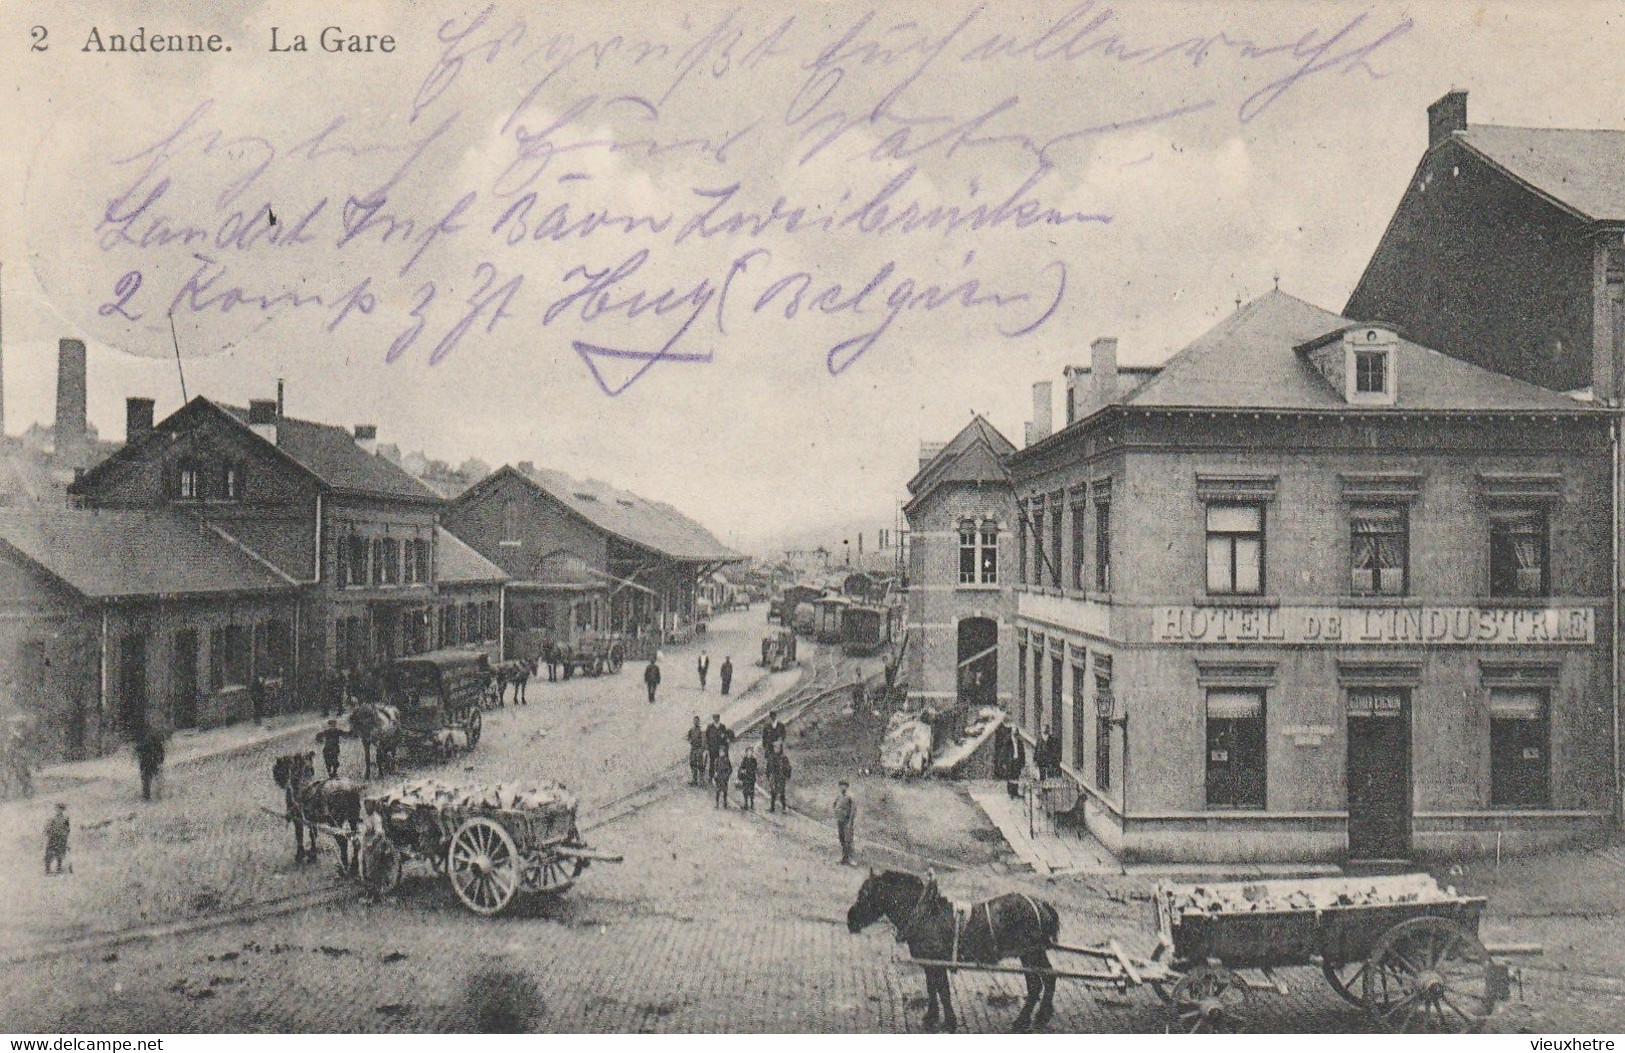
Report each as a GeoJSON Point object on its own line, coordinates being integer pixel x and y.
{"type": "Point", "coordinates": [208, 846]}
{"type": "Point", "coordinates": [715, 921]}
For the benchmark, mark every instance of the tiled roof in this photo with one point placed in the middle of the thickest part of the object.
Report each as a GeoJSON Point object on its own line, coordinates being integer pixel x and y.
{"type": "Point", "coordinates": [114, 555]}
{"type": "Point", "coordinates": [330, 453]}
{"type": "Point", "coordinates": [457, 564]}
{"type": "Point", "coordinates": [1249, 361]}
{"type": "Point", "coordinates": [652, 525]}
{"type": "Point", "coordinates": [975, 455]}
{"type": "Point", "coordinates": [1581, 168]}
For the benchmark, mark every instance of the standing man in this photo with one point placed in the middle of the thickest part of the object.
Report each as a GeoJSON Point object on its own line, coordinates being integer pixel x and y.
{"type": "Point", "coordinates": [149, 755]}
{"type": "Point", "coordinates": [846, 814]}
{"type": "Point", "coordinates": [696, 753]}
{"type": "Point", "coordinates": [727, 673]}
{"type": "Point", "coordinates": [329, 738]}
{"type": "Point", "coordinates": [651, 678]}
{"type": "Point", "coordinates": [773, 733]}
{"type": "Point", "coordinates": [778, 778]}
{"type": "Point", "coordinates": [722, 769]}
{"type": "Point", "coordinates": [704, 667]}
{"type": "Point", "coordinates": [858, 693]}
{"type": "Point", "coordinates": [56, 839]}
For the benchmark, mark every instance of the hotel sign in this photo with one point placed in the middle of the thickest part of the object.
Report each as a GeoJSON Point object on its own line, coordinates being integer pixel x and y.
{"type": "Point", "coordinates": [1377, 626]}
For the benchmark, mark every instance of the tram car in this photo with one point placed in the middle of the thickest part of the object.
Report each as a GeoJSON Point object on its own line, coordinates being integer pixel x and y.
{"type": "Point", "coordinates": [830, 618]}
{"type": "Point", "coordinates": [870, 628]}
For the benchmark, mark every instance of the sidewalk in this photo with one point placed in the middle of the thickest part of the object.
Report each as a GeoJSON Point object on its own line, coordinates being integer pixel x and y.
{"type": "Point", "coordinates": [1035, 842]}
{"type": "Point", "coordinates": [188, 747]}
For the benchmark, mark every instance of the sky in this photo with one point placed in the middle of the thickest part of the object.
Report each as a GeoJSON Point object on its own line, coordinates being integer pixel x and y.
{"type": "Point", "coordinates": [741, 259]}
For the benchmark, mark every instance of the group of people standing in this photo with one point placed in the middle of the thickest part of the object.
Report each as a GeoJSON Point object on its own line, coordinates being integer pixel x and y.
{"type": "Point", "coordinates": [710, 763]}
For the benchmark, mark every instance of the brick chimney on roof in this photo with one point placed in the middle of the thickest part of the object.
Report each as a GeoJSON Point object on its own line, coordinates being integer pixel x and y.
{"type": "Point", "coordinates": [366, 437]}
{"type": "Point", "coordinates": [137, 419]}
{"type": "Point", "coordinates": [262, 418]}
{"type": "Point", "coordinates": [1447, 116]}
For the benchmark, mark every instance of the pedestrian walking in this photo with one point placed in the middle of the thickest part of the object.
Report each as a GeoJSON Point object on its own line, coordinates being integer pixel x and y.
{"type": "Point", "coordinates": [722, 769]}
{"type": "Point", "coordinates": [56, 839]}
{"type": "Point", "coordinates": [704, 667]}
{"type": "Point", "coordinates": [651, 679]}
{"type": "Point", "coordinates": [778, 779]}
{"type": "Point", "coordinates": [256, 697]}
{"type": "Point", "coordinates": [330, 737]}
{"type": "Point", "coordinates": [697, 764]}
{"type": "Point", "coordinates": [846, 816]}
{"type": "Point", "coordinates": [149, 755]}
{"type": "Point", "coordinates": [747, 780]}
{"type": "Point", "coordinates": [726, 673]}
{"type": "Point", "coordinates": [859, 696]}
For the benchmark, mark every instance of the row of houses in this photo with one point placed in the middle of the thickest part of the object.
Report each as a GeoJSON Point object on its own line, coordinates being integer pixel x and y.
{"type": "Point", "coordinates": [226, 562]}
{"type": "Point", "coordinates": [1322, 585]}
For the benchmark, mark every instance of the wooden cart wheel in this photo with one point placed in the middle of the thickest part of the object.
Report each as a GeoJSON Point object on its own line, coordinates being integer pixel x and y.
{"type": "Point", "coordinates": [1207, 997]}
{"type": "Point", "coordinates": [550, 875]}
{"type": "Point", "coordinates": [472, 727]}
{"type": "Point", "coordinates": [1428, 974]}
{"type": "Point", "coordinates": [380, 865]}
{"type": "Point", "coordinates": [483, 865]}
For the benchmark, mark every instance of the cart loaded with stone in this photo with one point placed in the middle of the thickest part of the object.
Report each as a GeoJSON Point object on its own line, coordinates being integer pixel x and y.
{"type": "Point", "coordinates": [1401, 948]}
{"type": "Point", "coordinates": [490, 843]}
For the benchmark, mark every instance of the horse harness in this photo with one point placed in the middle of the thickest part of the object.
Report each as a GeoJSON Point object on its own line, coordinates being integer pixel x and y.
{"type": "Point", "coordinates": [962, 919]}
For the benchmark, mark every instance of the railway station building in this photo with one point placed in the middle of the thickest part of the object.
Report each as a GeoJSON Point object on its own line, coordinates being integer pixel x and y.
{"type": "Point", "coordinates": [584, 557]}
{"type": "Point", "coordinates": [1313, 591]}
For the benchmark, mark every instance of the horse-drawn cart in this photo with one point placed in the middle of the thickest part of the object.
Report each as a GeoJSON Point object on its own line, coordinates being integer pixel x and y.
{"type": "Point", "coordinates": [1402, 948]}
{"type": "Point", "coordinates": [491, 844]}
{"type": "Point", "coordinates": [439, 696]}
{"type": "Point", "coordinates": [591, 655]}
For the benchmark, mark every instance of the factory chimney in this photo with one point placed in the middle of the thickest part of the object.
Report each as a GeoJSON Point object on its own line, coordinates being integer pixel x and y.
{"type": "Point", "coordinates": [366, 437]}
{"type": "Point", "coordinates": [69, 432]}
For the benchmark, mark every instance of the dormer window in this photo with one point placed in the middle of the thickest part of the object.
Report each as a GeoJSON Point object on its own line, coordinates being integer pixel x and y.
{"type": "Point", "coordinates": [1371, 372]}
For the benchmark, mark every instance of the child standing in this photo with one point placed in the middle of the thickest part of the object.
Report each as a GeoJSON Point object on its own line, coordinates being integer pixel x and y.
{"type": "Point", "coordinates": [747, 780]}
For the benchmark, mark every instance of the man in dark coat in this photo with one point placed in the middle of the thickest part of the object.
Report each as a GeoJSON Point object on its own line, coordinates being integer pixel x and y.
{"type": "Point", "coordinates": [56, 839]}
{"type": "Point", "coordinates": [651, 679]}
{"type": "Point", "coordinates": [727, 673]}
{"type": "Point", "coordinates": [773, 733]}
{"type": "Point", "coordinates": [697, 763]}
{"type": "Point", "coordinates": [778, 778]}
{"type": "Point", "coordinates": [722, 769]}
{"type": "Point", "coordinates": [717, 737]}
{"type": "Point", "coordinates": [149, 755]}
{"type": "Point", "coordinates": [330, 738]}
{"type": "Point", "coordinates": [1048, 755]}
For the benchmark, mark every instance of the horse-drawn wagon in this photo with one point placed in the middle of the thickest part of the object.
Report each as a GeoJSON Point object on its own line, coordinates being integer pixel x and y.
{"type": "Point", "coordinates": [490, 843]}
{"type": "Point", "coordinates": [1402, 948]}
{"type": "Point", "coordinates": [591, 655]}
{"type": "Point", "coordinates": [439, 697]}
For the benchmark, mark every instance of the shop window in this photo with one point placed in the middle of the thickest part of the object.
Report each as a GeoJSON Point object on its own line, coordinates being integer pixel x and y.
{"type": "Point", "coordinates": [1379, 545]}
{"type": "Point", "coordinates": [278, 649]}
{"type": "Point", "coordinates": [230, 656]}
{"type": "Point", "coordinates": [1235, 550]}
{"type": "Point", "coordinates": [1080, 709]}
{"type": "Point", "coordinates": [1519, 553]}
{"type": "Point", "coordinates": [1235, 749]}
{"type": "Point", "coordinates": [1038, 686]}
{"type": "Point", "coordinates": [1518, 761]}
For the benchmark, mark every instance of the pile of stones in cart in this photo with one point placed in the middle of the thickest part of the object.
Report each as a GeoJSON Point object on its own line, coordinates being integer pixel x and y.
{"type": "Point", "coordinates": [432, 793]}
{"type": "Point", "coordinates": [1317, 894]}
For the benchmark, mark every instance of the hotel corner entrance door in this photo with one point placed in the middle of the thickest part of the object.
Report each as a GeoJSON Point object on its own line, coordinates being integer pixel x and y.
{"type": "Point", "coordinates": [1379, 774]}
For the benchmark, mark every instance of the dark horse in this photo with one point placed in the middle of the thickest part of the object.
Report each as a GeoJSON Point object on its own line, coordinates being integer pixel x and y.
{"type": "Point", "coordinates": [309, 800]}
{"type": "Point", "coordinates": [1009, 926]}
{"type": "Point", "coordinates": [379, 729]}
{"type": "Point", "coordinates": [516, 672]}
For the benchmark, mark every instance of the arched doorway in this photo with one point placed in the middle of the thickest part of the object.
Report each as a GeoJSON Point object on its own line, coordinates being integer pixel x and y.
{"type": "Point", "coordinates": [978, 669]}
